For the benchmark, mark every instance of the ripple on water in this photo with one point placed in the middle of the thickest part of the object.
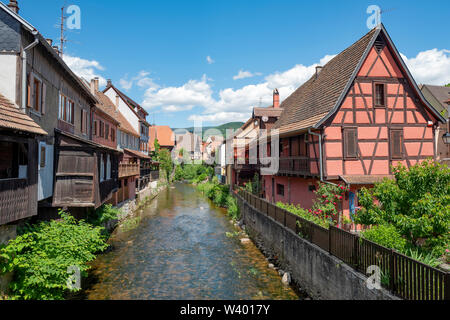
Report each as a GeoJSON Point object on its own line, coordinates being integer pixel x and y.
{"type": "Point", "coordinates": [180, 251]}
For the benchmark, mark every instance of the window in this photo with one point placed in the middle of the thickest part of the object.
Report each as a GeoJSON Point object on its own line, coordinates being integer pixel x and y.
{"type": "Point", "coordinates": [107, 132]}
{"type": "Point", "coordinates": [379, 99]}
{"type": "Point", "coordinates": [113, 135]}
{"type": "Point", "coordinates": [36, 92]}
{"type": "Point", "coordinates": [108, 167]}
{"type": "Point", "coordinates": [350, 143]}
{"type": "Point", "coordinates": [102, 128]}
{"type": "Point", "coordinates": [280, 189]}
{"type": "Point", "coordinates": [95, 128]}
{"type": "Point", "coordinates": [42, 161]}
{"type": "Point", "coordinates": [84, 121]}
{"type": "Point", "coordinates": [13, 160]}
{"type": "Point", "coordinates": [66, 109]}
{"type": "Point", "coordinates": [396, 142]}
{"type": "Point", "coordinates": [102, 170]}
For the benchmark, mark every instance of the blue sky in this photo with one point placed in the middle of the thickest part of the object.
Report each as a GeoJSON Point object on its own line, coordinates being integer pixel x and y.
{"type": "Point", "coordinates": [156, 51]}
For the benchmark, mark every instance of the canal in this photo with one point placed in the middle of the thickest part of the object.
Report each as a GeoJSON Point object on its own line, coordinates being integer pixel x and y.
{"type": "Point", "coordinates": [183, 247]}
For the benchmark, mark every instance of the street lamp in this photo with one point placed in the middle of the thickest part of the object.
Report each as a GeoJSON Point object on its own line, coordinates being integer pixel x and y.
{"type": "Point", "coordinates": [446, 138]}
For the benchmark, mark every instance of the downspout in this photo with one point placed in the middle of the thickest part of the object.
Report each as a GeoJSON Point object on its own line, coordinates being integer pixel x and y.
{"type": "Point", "coordinates": [24, 70]}
{"type": "Point", "coordinates": [320, 157]}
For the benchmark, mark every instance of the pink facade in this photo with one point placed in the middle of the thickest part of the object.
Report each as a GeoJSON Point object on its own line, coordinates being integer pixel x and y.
{"type": "Point", "coordinates": [104, 129]}
{"type": "Point", "coordinates": [381, 121]}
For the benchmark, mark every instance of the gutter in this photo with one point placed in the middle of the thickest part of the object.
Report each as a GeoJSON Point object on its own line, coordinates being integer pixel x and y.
{"type": "Point", "coordinates": [24, 69]}
{"type": "Point", "coordinates": [320, 157]}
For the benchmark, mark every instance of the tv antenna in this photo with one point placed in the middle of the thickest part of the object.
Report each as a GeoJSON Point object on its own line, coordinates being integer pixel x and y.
{"type": "Point", "coordinates": [62, 39]}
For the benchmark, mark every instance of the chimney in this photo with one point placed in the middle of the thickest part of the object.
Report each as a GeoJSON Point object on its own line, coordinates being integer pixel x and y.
{"type": "Point", "coordinates": [56, 49]}
{"type": "Point", "coordinates": [318, 69]}
{"type": "Point", "coordinates": [94, 85]}
{"type": "Point", "coordinates": [50, 42]}
{"type": "Point", "coordinates": [13, 6]}
{"type": "Point", "coordinates": [96, 81]}
{"type": "Point", "coordinates": [276, 99]}
{"type": "Point", "coordinates": [109, 83]}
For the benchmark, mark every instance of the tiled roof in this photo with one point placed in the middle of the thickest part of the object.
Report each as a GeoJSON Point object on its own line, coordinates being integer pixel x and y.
{"type": "Point", "coordinates": [12, 118]}
{"type": "Point", "coordinates": [125, 126]}
{"type": "Point", "coordinates": [137, 153]}
{"type": "Point", "coordinates": [268, 112]}
{"type": "Point", "coordinates": [320, 94]}
{"type": "Point", "coordinates": [105, 104]}
{"type": "Point", "coordinates": [441, 93]}
{"type": "Point", "coordinates": [364, 179]}
{"type": "Point", "coordinates": [164, 135]}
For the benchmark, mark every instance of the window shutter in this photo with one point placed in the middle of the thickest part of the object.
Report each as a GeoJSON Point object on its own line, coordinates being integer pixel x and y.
{"type": "Point", "coordinates": [44, 96]}
{"type": "Point", "coordinates": [396, 143]}
{"type": "Point", "coordinates": [32, 89]}
{"type": "Point", "coordinates": [350, 143]}
{"type": "Point", "coordinates": [29, 90]}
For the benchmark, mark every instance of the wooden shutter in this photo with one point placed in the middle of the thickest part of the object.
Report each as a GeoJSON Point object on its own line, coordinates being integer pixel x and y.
{"type": "Point", "coordinates": [29, 90]}
{"type": "Point", "coordinates": [397, 144]}
{"type": "Point", "coordinates": [350, 143]}
{"type": "Point", "coordinates": [44, 96]}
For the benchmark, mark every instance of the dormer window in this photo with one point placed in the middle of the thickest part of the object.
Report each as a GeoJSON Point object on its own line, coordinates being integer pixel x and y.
{"type": "Point", "coordinates": [379, 95]}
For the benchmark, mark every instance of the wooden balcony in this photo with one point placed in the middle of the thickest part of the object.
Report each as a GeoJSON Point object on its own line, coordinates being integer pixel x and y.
{"type": "Point", "coordinates": [128, 169]}
{"type": "Point", "coordinates": [298, 166]}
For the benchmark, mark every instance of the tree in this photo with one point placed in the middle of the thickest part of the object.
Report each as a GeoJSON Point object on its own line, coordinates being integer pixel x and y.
{"type": "Point", "coordinates": [165, 162]}
{"type": "Point", "coordinates": [416, 203]}
{"type": "Point", "coordinates": [157, 146]}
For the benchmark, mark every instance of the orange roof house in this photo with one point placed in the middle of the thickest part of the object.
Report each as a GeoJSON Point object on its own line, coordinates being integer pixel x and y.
{"type": "Point", "coordinates": [165, 136]}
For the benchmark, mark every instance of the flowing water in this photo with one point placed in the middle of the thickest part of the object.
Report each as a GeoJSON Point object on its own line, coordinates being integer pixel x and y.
{"type": "Point", "coordinates": [183, 247]}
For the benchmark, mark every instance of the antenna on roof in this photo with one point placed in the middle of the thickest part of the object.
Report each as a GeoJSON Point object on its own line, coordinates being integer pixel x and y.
{"type": "Point", "coordinates": [62, 39]}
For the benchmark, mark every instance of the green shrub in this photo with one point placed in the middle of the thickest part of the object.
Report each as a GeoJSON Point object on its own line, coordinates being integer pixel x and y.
{"type": "Point", "coordinates": [306, 214]}
{"type": "Point", "coordinates": [103, 214]}
{"type": "Point", "coordinates": [233, 209]}
{"type": "Point", "coordinates": [416, 203]}
{"type": "Point", "coordinates": [427, 258]}
{"type": "Point", "coordinates": [387, 236]}
{"type": "Point", "coordinates": [41, 256]}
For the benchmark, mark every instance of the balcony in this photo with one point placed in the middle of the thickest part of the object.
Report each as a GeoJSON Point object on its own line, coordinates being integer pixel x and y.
{"type": "Point", "coordinates": [128, 169]}
{"type": "Point", "coordinates": [298, 166]}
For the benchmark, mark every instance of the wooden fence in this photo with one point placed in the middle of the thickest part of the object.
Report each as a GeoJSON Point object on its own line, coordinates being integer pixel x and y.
{"type": "Point", "coordinates": [405, 277]}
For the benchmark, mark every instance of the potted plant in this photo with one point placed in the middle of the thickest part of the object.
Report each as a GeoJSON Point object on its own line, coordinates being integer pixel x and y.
{"type": "Point", "coordinates": [346, 223]}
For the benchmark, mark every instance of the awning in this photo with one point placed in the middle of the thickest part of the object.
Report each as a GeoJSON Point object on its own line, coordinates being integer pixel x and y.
{"type": "Point", "coordinates": [137, 154]}
{"type": "Point", "coordinates": [364, 179]}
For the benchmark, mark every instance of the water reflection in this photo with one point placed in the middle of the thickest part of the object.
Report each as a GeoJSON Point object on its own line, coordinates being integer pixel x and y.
{"type": "Point", "coordinates": [183, 248]}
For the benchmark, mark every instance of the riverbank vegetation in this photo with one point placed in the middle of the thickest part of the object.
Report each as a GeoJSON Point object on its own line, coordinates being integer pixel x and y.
{"type": "Point", "coordinates": [203, 177]}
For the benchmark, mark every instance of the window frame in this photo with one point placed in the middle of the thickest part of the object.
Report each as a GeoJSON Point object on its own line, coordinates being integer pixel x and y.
{"type": "Point", "coordinates": [66, 111]}
{"type": "Point", "coordinates": [280, 189]}
{"type": "Point", "coordinates": [391, 144]}
{"type": "Point", "coordinates": [374, 96]}
{"type": "Point", "coordinates": [345, 143]}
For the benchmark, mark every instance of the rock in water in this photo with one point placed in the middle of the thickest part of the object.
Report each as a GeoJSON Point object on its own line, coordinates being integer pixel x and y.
{"type": "Point", "coordinates": [271, 266]}
{"type": "Point", "coordinates": [286, 278]}
{"type": "Point", "coordinates": [245, 240]}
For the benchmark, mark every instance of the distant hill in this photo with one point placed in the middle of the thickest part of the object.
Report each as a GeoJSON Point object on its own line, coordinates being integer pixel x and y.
{"type": "Point", "coordinates": [222, 128]}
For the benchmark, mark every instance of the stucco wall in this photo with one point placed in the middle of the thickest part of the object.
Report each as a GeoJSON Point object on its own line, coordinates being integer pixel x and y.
{"type": "Point", "coordinates": [320, 274]}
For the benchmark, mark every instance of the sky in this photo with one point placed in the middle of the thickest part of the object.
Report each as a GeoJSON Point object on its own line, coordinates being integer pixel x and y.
{"type": "Point", "coordinates": [214, 60]}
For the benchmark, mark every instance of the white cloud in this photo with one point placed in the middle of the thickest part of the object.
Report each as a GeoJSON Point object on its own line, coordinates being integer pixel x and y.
{"type": "Point", "coordinates": [141, 79]}
{"type": "Point", "coordinates": [245, 74]}
{"type": "Point", "coordinates": [209, 60]}
{"type": "Point", "coordinates": [430, 66]}
{"type": "Point", "coordinates": [87, 69]}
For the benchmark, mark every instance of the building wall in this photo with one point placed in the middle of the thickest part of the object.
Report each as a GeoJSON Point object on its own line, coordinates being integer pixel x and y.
{"type": "Point", "coordinates": [112, 126]}
{"type": "Point", "coordinates": [132, 118]}
{"type": "Point", "coordinates": [403, 111]}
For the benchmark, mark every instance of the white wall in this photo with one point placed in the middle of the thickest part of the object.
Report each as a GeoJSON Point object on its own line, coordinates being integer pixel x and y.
{"type": "Point", "coordinates": [45, 176]}
{"type": "Point", "coordinates": [8, 63]}
{"type": "Point", "coordinates": [125, 110]}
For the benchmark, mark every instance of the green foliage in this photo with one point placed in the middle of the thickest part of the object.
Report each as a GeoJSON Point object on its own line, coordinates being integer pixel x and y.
{"type": "Point", "coordinates": [306, 214]}
{"type": "Point", "coordinates": [41, 256]}
{"type": "Point", "coordinates": [328, 198]}
{"type": "Point", "coordinates": [386, 235]}
{"type": "Point", "coordinates": [165, 162]}
{"type": "Point", "coordinates": [103, 215]}
{"type": "Point", "coordinates": [427, 258]}
{"type": "Point", "coordinates": [254, 186]}
{"type": "Point", "coordinates": [233, 209]}
{"type": "Point", "coordinates": [194, 173]}
{"type": "Point", "coordinates": [416, 203]}
{"type": "Point", "coordinates": [157, 146]}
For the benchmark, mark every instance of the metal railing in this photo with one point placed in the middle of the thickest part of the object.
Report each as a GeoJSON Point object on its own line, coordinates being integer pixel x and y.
{"type": "Point", "coordinates": [402, 275]}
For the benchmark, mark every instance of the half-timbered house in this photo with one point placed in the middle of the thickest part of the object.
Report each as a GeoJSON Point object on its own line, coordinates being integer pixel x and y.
{"type": "Point", "coordinates": [350, 122]}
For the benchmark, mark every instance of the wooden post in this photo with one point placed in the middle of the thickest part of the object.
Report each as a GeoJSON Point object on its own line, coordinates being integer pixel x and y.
{"type": "Point", "coordinates": [447, 286]}
{"type": "Point", "coordinates": [392, 271]}
{"type": "Point", "coordinates": [355, 251]}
